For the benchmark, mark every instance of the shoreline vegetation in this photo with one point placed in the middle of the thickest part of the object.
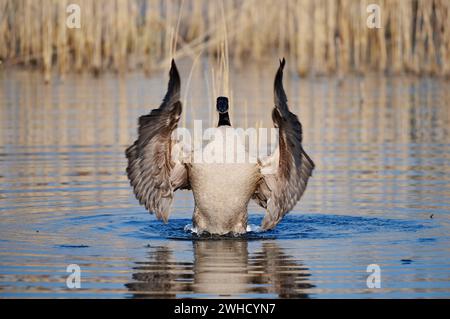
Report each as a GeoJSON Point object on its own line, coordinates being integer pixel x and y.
{"type": "Point", "coordinates": [319, 37]}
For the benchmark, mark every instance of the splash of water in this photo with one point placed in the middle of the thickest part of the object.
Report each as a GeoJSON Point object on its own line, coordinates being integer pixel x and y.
{"type": "Point", "coordinates": [251, 228]}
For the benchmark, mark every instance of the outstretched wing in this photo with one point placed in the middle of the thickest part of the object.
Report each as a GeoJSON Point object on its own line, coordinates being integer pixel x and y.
{"type": "Point", "coordinates": [286, 172]}
{"type": "Point", "coordinates": [152, 169]}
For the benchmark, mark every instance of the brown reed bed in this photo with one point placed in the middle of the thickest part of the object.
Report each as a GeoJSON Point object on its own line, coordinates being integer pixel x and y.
{"type": "Point", "coordinates": [318, 36]}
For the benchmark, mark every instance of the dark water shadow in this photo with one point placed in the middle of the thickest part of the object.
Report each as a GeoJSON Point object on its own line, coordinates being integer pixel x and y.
{"type": "Point", "coordinates": [220, 268]}
{"type": "Point", "coordinates": [315, 226]}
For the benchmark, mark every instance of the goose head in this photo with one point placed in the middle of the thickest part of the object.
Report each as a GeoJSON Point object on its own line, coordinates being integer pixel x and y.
{"type": "Point", "coordinates": [222, 109]}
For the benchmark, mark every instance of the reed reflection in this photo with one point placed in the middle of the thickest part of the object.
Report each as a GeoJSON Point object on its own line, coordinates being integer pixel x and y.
{"type": "Point", "coordinates": [221, 268]}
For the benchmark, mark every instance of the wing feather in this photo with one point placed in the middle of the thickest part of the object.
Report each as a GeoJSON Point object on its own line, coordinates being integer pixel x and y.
{"type": "Point", "coordinates": [152, 172]}
{"type": "Point", "coordinates": [286, 173]}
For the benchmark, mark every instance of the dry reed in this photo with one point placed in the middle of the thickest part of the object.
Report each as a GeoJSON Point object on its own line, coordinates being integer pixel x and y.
{"type": "Point", "coordinates": [319, 36]}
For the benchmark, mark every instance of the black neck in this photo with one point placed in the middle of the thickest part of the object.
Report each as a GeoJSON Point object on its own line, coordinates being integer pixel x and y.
{"type": "Point", "coordinates": [224, 119]}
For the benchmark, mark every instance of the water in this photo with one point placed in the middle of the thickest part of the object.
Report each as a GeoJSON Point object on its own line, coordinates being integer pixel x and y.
{"type": "Point", "coordinates": [379, 195]}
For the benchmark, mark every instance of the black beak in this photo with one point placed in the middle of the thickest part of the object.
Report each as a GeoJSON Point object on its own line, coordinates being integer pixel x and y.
{"type": "Point", "coordinates": [222, 104]}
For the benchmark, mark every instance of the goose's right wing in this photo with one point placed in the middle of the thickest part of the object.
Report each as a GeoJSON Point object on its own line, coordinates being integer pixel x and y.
{"type": "Point", "coordinates": [286, 173]}
{"type": "Point", "coordinates": [152, 170]}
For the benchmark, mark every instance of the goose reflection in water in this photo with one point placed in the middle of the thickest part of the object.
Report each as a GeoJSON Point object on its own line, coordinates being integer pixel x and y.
{"type": "Point", "coordinates": [220, 268]}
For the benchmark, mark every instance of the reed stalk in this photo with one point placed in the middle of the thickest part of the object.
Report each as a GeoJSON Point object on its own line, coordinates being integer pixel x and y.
{"type": "Point", "coordinates": [319, 36]}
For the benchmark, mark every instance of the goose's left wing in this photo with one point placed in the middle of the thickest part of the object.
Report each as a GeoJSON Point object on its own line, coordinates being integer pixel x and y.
{"type": "Point", "coordinates": [285, 174]}
{"type": "Point", "coordinates": [155, 168]}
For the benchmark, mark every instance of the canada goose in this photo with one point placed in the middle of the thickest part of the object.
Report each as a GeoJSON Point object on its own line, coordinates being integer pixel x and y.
{"type": "Point", "coordinates": [157, 167]}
